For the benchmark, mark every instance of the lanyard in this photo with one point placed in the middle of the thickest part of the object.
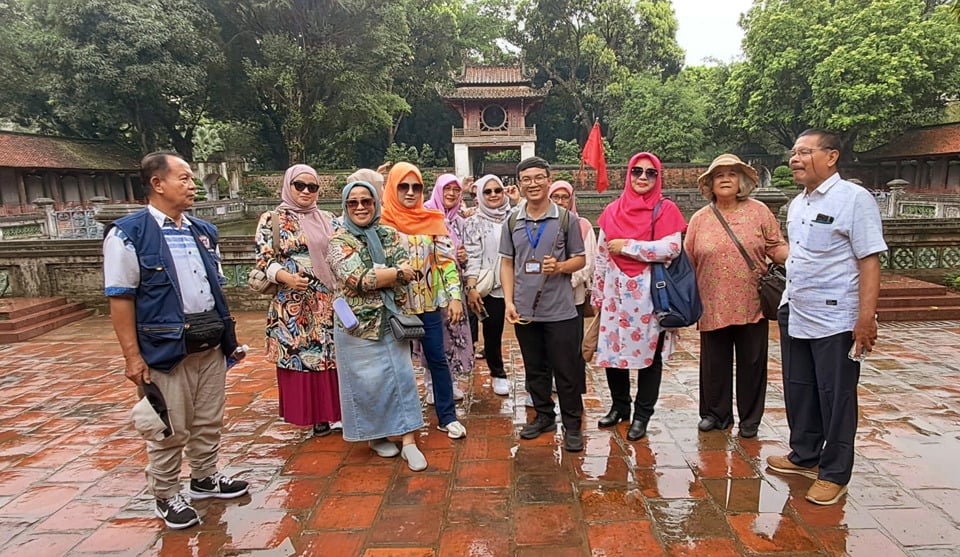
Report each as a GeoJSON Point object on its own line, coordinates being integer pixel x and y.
{"type": "Point", "coordinates": [534, 242]}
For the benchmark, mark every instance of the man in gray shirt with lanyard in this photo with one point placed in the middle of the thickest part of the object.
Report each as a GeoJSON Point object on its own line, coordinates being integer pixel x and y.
{"type": "Point", "coordinates": [539, 255]}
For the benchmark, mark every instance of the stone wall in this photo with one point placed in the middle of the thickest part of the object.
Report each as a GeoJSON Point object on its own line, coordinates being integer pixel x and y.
{"type": "Point", "coordinates": [924, 249]}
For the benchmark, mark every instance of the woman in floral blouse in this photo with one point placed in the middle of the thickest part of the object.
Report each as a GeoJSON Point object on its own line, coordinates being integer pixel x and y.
{"type": "Point", "coordinates": [299, 333]}
{"type": "Point", "coordinates": [732, 320]}
{"type": "Point", "coordinates": [377, 384]}
{"type": "Point", "coordinates": [423, 233]}
{"type": "Point", "coordinates": [630, 336]}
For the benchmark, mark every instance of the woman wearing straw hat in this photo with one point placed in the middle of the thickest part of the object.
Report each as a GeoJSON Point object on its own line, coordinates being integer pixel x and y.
{"type": "Point", "coordinates": [732, 322]}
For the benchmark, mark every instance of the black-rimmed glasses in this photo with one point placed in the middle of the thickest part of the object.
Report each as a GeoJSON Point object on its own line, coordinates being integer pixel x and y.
{"type": "Point", "coordinates": [300, 186]}
{"type": "Point", "coordinates": [650, 173]}
{"type": "Point", "coordinates": [405, 187]}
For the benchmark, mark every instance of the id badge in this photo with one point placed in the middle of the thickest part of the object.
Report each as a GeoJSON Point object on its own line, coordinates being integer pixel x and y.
{"type": "Point", "coordinates": [532, 267]}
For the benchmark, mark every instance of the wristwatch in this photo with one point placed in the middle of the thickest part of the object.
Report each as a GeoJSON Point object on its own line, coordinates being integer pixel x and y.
{"type": "Point", "coordinates": [470, 287]}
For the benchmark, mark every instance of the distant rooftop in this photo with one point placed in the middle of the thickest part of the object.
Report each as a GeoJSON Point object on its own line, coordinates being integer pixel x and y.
{"type": "Point", "coordinates": [23, 150]}
{"type": "Point", "coordinates": [926, 141]}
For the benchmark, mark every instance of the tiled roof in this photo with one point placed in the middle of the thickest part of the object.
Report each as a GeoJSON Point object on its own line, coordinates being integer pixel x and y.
{"type": "Point", "coordinates": [483, 75]}
{"type": "Point", "coordinates": [498, 92]}
{"type": "Point", "coordinates": [19, 150]}
{"type": "Point", "coordinates": [943, 139]}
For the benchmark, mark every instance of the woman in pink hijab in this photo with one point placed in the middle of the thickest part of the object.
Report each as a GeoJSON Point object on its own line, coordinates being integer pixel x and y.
{"type": "Point", "coordinates": [458, 338]}
{"type": "Point", "coordinates": [299, 333]}
{"type": "Point", "coordinates": [630, 335]}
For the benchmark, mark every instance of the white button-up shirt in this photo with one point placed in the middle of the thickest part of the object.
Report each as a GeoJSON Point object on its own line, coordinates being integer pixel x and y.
{"type": "Point", "coordinates": [829, 230]}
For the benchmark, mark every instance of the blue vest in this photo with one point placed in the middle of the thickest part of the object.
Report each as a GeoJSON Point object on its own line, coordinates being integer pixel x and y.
{"type": "Point", "coordinates": [159, 306]}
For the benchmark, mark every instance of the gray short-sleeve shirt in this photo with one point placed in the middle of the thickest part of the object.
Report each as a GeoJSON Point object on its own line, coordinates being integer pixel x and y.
{"type": "Point", "coordinates": [556, 299]}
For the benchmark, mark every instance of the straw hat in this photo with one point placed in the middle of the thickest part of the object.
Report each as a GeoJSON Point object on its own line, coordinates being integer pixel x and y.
{"type": "Point", "coordinates": [728, 160]}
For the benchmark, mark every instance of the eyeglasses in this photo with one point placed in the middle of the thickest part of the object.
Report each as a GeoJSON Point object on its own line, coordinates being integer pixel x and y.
{"type": "Point", "coordinates": [494, 191]}
{"type": "Point", "coordinates": [807, 152]}
{"type": "Point", "coordinates": [365, 202]}
{"type": "Point", "coordinates": [540, 179]}
{"type": "Point", "coordinates": [560, 197]}
{"type": "Point", "coordinates": [405, 187]}
{"type": "Point", "coordinates": [300, 186]}
{"type": "Point", "coordinates": [637, 172]}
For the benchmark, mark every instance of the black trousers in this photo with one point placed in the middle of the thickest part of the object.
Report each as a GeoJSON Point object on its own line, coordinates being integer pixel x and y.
{"type": "Point", "coordinates": [493, 335]}
{"type": "Point", "coordinates": [820, 393]}
{"type": "Point", "coordinates": [648, 387]}
{"type": "Point", "coordinates": [549, 351]}
{"type": "Point", "coordinates": [717, 349]}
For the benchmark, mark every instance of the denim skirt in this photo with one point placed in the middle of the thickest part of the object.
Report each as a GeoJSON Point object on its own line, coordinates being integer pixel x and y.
{"type": "Point", "coordinates": [378, 389]}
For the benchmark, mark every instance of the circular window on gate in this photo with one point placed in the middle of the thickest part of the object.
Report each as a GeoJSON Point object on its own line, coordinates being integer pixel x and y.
{"type": "Point", "coordinates": [493, 117]}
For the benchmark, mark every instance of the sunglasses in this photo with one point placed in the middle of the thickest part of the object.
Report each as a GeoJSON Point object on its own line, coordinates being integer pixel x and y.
{"type": "Point", "coordinates": [651, 173]}
{"type": "Point", "coordinates": [300, 186]}
{"type": "Point", "coordinates": [366, 203]}
{"type": "Point", "coordinates": [494, 191]}
{"type": "Point", "coordinates": [405, 187]}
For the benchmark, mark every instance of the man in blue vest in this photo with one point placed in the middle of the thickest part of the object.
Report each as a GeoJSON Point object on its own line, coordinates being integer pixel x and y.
{"type": "Point", "coordinates": [162, 276]}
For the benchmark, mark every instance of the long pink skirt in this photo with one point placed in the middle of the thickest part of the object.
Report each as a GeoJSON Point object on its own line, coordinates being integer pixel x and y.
{"type": "Point", "coordinates": [308, 398]}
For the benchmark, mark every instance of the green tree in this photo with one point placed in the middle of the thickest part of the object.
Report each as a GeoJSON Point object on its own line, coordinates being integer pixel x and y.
{"type": "Point", "coordinates": [117, 69]}
{"type": "Point", "coordinates": [666, 118]}
{"type": "Point", "coordinates": [869, 68]}
{"type": "Point", "coordinates": [588, 47]}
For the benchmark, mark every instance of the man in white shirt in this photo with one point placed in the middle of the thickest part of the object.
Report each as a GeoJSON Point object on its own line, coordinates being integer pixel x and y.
{"type": "Point", "coordinates": [827, 316]}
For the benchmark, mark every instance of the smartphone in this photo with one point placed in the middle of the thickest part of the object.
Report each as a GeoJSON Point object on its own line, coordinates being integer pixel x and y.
{"type": "Point", "coordinates": [482, 314]}
{"type": "Point", "coordinates": [346, 315]}
{"type": "Point", "coordinates": [857, 357]}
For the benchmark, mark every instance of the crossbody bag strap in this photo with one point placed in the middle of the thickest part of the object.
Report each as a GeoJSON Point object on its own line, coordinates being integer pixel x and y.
{"type": "Point", "coordinates": [564, 223]}
{"type": "Point", "coordinates": [743, 252]}
{"type": "Point", "coordinates": [657, 272]}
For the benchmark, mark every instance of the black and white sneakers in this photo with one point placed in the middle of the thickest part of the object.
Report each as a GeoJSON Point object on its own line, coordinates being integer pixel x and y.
{"type": "Point", "coordinates": [217, 486]}
{"type": "Point", "coordinates": [176, 512]}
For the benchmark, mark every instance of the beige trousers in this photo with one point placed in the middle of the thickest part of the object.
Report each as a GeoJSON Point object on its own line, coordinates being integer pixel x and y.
{"type": "Point", "coordinates": [194, 393]}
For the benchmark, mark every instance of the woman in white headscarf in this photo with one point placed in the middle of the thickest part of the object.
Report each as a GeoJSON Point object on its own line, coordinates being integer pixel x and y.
{"type": "Point", "coordinates": [299, 332]}
{"type": "Point", "coordinates": [481, 239]}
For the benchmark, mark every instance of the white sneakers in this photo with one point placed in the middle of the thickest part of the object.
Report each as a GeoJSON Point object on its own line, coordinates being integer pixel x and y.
{"type": "Point", "coordinates": [501, 386]}
{"type": "Point", "coordinates": [457, 395]}
{"type": "Point", "coordinates": [454, 429]}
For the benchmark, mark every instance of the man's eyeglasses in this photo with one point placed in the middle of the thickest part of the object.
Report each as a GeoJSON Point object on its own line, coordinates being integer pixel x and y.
{"type": "Point", "coordinates": [494, 191]}
{"type": "Point", "coordinates": [637, 172]}
{"type": "Point", "coordinates": [560, 197]}
{"type": "Point", "coordinates": [807, 152]}
{"type": "Point", "coordinates": [300, 186]}
{"type": "Point", "coordinates": [366, 203]}
{"type": "Point", "coordinates": [540, 179]}
{"type": "Point", "coordinates": [405, 187]}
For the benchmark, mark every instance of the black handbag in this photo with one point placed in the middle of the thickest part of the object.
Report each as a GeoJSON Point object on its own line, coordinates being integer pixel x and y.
{"type": "Point", "coordinates": [676, 299]}
{"type": "Point", "coordinates": [771, 285]}
{"type": "Point", "coordinates": [406, 327]}
{"type": "Point", "coordinates": [203, 330]}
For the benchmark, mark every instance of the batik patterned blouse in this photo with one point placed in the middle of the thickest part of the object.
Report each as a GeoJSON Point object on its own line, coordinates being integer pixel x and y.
{"type": "Point", "coordinates": [353, 266]}
{"type": "Point", "coordinates": [438, 280]}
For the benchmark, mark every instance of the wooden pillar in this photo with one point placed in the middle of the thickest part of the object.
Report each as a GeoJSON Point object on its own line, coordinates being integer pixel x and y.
{"type": "Point", "coordinates": [21, 188]}
{"type": "Point", "coordinates": [81, 186]}
{"type": "Point", "coordinates": [946, 172]}
{"type": "Point", "coordinates": [128, 186]}
{"type": "Point", "coordinates": [52, 185]}
{"type": "Point", "coordinates": [876, 175]}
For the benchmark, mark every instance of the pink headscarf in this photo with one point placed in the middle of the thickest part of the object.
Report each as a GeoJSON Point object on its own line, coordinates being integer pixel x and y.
{"type": "Point", "coordinates": [630, 216]}
{"type": "Point", "coordinates": [316, 226]}
{"type": "Point", "coordinates": [585, 225]}
{"type": "Point", "coordinates": [452, 215]}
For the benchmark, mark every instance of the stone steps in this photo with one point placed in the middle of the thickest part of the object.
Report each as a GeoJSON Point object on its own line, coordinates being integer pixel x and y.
{"type": "Point", "coordinates": [25, 318]}
{"type": "Point", "coordinates": [907, 299]}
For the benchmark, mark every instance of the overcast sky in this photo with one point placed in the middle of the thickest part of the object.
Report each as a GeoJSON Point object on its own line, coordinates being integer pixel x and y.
{"type": "Point", "coordinates": [708, 29]}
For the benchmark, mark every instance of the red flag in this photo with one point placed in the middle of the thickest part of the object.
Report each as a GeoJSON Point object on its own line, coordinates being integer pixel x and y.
{"type": "Point", "coordinates": [593, 155]}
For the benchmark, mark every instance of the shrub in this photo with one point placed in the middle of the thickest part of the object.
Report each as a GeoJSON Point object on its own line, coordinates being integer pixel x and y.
{"type": "Point", "coordinates": [782, 178]}
{"type": "Point", "coordinates": [256, 188]}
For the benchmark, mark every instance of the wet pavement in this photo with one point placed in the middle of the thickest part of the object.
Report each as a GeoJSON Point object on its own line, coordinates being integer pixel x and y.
{"type": "Point", "coordinates": [71, 468]}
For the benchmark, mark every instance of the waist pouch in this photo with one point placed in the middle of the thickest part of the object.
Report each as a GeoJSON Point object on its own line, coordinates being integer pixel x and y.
{"type": "Point", "coordinates": [202, 331]}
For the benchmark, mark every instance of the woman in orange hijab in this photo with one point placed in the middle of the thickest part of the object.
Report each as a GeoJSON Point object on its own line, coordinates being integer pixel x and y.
{"type": "Point", "coordinates": [423, 233]}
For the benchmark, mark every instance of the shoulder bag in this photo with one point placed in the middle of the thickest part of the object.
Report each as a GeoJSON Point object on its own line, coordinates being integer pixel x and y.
{"type": "Point", "coordinates": [257, 279]}
{"type": "Point", "coordinates": [771, 284]}
{"type": "Point", "coordinates": [676, 299]}
{"type": "Point", "coordinates": [489, 278]}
